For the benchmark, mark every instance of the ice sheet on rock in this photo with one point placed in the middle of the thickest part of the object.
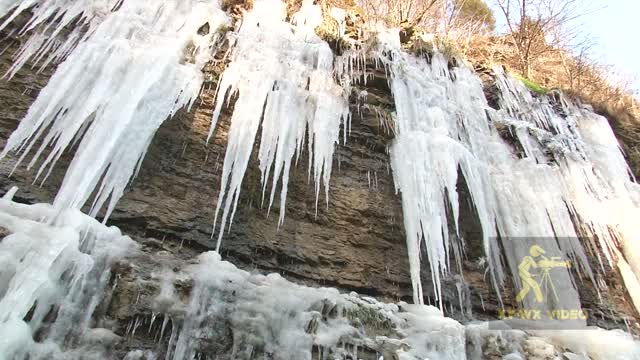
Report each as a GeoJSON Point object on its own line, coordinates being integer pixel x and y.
{"type": "Point", "coordinates": [236, 314]}
{"type": "Point", "coordinates": [589, 343]}
{"type": "Point", "coordinates": [270, 315]}
{"type": "Point", "coordinates": [480, 337]}
{"type": "Point", "coordinates": [63, 259]}
{"type": "Point", "coordinates": [267, 313]}
{"type": "Point", "coordinates": [282, 77]}
{"type": "Point", "coordinates": [431, 335]}
{"type": "Point", "coordinates": [140, 355]}
{"type": "Point", "coordinates": [612, 199]}
{"type": "Point", "coordinates": [631, 282]}
{"type": "Point", "coordinates": [51, 260]}
{"type": "Point", "coordinates": [113, 92]}
{"type": "Point", "coordinates": [596, 343]}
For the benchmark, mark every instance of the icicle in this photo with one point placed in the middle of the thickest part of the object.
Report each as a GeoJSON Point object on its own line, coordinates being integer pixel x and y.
{"type": "Point", "coordinates": [43, 45]}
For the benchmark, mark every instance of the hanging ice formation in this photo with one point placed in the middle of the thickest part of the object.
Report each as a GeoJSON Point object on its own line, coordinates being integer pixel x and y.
{"type": "Point", "coordinates": [569, 166]}
{"type": "Point", "coordinates": [123, 73]}
{"type": "Point", "coordinates": [282, 75]}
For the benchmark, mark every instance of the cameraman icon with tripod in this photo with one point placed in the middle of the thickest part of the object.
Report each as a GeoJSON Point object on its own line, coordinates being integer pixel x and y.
{"type": "Point", "coordinates": [545, 264]}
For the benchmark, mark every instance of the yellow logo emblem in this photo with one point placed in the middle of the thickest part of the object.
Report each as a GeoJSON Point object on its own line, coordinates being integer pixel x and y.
{"type": "Point", "coordinates": [544, 285]}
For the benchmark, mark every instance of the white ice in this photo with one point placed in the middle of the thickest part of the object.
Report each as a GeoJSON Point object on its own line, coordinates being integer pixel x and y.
{"type": "Point", "coordinates": [267, 314]}
{"type": "Point", "coordinates": [52, 259]}
{"type": "Point", "coordinates": [569, 167]}
{"type": "Point", "coordinates": [281, 74]}
{"type": "Point", "coordinates": [62, 260]}
{"type": "Point", "coordinates": [118, 85]}
{"type": "Point", "coordinates": [270, 315]}
{"type": "Point", "coordinates": [124, 73]}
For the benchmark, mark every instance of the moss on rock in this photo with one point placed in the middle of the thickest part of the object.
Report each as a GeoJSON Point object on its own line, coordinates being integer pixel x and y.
{"type": "Point", "coordinates": [531, 85]}
{"type": "Point", "coordinates": [329, 32]}
{"type": "Point", "coordinates": [372, 320]}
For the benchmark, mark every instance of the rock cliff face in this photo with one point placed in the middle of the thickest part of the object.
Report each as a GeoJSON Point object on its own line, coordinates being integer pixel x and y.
{"type": "Point", "coordinates": [354, 243]}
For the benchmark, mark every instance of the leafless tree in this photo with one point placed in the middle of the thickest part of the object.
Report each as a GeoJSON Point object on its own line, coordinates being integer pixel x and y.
{"type": "Point", "coordinates": [450, 18]}
{"type": "Point", "coordinates": [396, 12]}
{"type": "Point", "coordinates": [577, 62]}
{"type": "Point", "coordinates": [531, 21]}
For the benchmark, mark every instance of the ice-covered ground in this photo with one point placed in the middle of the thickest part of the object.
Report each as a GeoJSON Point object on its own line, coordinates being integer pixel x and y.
{"type": "Point", "coordinates": [54, 263]}
{"type": "Point", "coordinates": [57, 271]}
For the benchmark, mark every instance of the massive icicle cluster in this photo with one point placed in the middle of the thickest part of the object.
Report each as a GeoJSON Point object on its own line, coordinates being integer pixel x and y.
{"type": "Point", "coordinates": [569, 166]}
{"type": "Point", "coordinates": [282, 75]}
{"type": "Point", "coordinates": [534, 167]}
{"type": "Point", "coordinates": [123, 77]}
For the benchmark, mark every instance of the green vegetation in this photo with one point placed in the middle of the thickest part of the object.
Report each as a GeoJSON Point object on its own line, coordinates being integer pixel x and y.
{"type": "Point", "coordinates": [448, 48]}
{"type": "Point", "coordinates": [422, 45]}
{"type": "Point", "coordinates": [371, 319]}
{"type": "Point", "coordinates": [532, 85]}
{"type": "Point", "coordinates": [223, 29]}
{"type": "Point", "coordinates": [328, 31]}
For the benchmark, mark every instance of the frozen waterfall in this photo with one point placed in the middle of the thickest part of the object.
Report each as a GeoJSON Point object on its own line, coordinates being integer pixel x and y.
{"type": "Point", "coordinates": [445, 128]}
{"type": "Point", "coordinates": [541, 171]}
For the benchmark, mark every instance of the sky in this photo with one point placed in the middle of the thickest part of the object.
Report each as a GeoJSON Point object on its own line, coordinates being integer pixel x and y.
{"type": "Point", "coordinates": [614, 25]}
